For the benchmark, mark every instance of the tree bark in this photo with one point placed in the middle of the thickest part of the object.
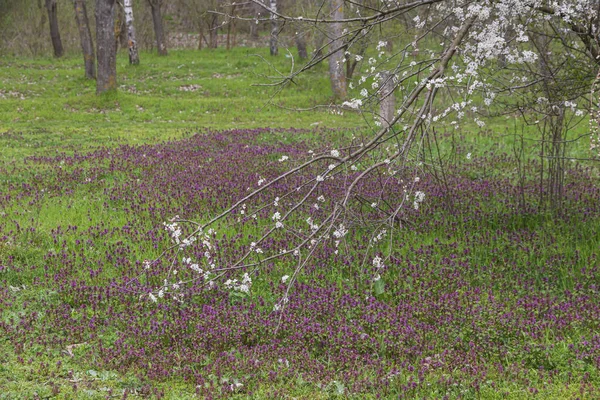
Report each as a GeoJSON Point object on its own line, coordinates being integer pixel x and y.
{"type": "Point", "coordinates": [319, 39]}
{"type": "Point", "coordinates": [107, 49]}
{"type": "Point", "coordinates": [254, 25]}
{"type": "Point", "coordinates": [387, 101]}
{"type": "Point", "coordinates": [213, 31]}
{"type": "Point", "coordinates": [87, 46]}
{"type": "Point", "coordinates": [54, 33]}
{"type": "Point", "coordinates": [300, 38]}
{"type": "Point", "coordinates": [120, 28]}
{"type": "Point", "coordinates": [231, 25]}
{"type": "Point", "coordinates": [134, 57]}
{"type": "Point", "coordinates": [273, 48]}
{"type": "Point", "coordinates": [200, 36]}
{"type": "Point", "coordinates": [336, 64]}
{"type": "Point", "coordinates": [158, 26]}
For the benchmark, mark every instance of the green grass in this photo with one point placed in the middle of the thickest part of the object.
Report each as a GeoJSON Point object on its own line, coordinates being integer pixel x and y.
{"type": "Point", "coordinates": [49, 106]}
{"type": "Point", "coordinates": [60, 112]}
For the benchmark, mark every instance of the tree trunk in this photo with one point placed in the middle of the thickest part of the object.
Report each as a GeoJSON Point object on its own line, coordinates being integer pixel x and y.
{"type": "Point", "coordinates": [300, 38]}
{"type": "Point", "coordinates": [134, 58]}
{"type": "Point", "coordinates": [158, 26]}
{"type": "Point", "coordinates": [54, 33]}
{"type": "Point", "coordinates": [107, 49]}
{"type": "Point", "coordinates": [254, 30]}
{"type": "Point", "coordinates": [87, 46]}
{"type": "Point", "coordinates": [336, 64]}
{"type": "Point", "coordinates": [120, 29]}
{"type": "Point", "coordinates": [254, 25]}
{"type": "Point", "coordinates": [230, 25]}
{"type": "Point", "coordinates": [213, 31]}
{"type": "Point", "coordinates": [387, 101]}
{"type": "Point", "coordinates": [234, 29]}
{"type": "Point", "coordinates": [200, 36]}
{"type": "Point", "coordinates": [319, 40]}
{"type": "Point", "coordinates": [274, 29]}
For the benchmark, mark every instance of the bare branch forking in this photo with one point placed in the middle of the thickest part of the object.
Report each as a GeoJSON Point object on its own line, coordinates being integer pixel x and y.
{"type": "Point", "coordinates": [335, 222]}
{"type": "Point", "coordinates": [377, 16]}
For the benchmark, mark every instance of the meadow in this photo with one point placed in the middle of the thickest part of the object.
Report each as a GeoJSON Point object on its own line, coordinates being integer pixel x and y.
{"type": "Point", "coordinates": [486, 295]}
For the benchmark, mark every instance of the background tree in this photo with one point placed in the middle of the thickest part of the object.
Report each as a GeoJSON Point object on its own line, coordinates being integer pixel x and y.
{"type": "Point", "coordinates": [106, 45]}
{"type": "Point", "coordinates": [85, 36]}
{"type": "Point", "coordinates": [213, 30]}
{"type": "Point", "coordinates": [134, 58]}
{"type": "Point", "coordinates": [337, 75]}
{"type": "Point", "coordinates": [257, 12]}
{"type": "Point", "coordinates": [273, 44]}
{"type": "Point", "coordinates": [300, 39]}
{"type": "Point", "coordinates": [157, 21]}
{"type": "Point", "coordinates": [54, 32]}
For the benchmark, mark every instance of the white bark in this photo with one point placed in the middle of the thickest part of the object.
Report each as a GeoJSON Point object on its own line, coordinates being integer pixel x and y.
{"type": "Point", "coordinates": [134, 57]}
{"type": "Point", "coordinates": [274, 28]}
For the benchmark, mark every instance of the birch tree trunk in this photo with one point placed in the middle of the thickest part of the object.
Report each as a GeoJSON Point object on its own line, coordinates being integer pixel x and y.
{"type": "Point", "coordinates": [134, 58]}
{"type": "Point", "coordinates": [107, 47]}
{"type": "Point", "coordinates": [274, 29]}
{"type": "Point", "coordinates": [158, 26]}
{"type": "Point", "coordinates": [54, 33]}
{"type": "Point", "coordinates": [85, 35]}
{"type": "Point", "coordinates": [336, 64]}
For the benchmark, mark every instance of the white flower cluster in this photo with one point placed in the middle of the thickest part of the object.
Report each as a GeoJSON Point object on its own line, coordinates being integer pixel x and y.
{"type": "Point", "coordinates": [312, 225]}
{"type": "Point", "coordinates": [244, 286]}
{"type": "Point", "coordinates": [255, 249]}
{"type": "Point", "coordinates": [165, 288]}
{"type": "Point", "coordinates": [340, 232]}
{"type": "Point", "coordinates": [379, 236]}
{"type": "Point", "coordinates": [174, 230]}
{"type": "Point", "coordinates": [281, 303]}
{"type": "Point", "coordinates": [277, 218]}
{"type": "Point", "coordinates": [418, 199]}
